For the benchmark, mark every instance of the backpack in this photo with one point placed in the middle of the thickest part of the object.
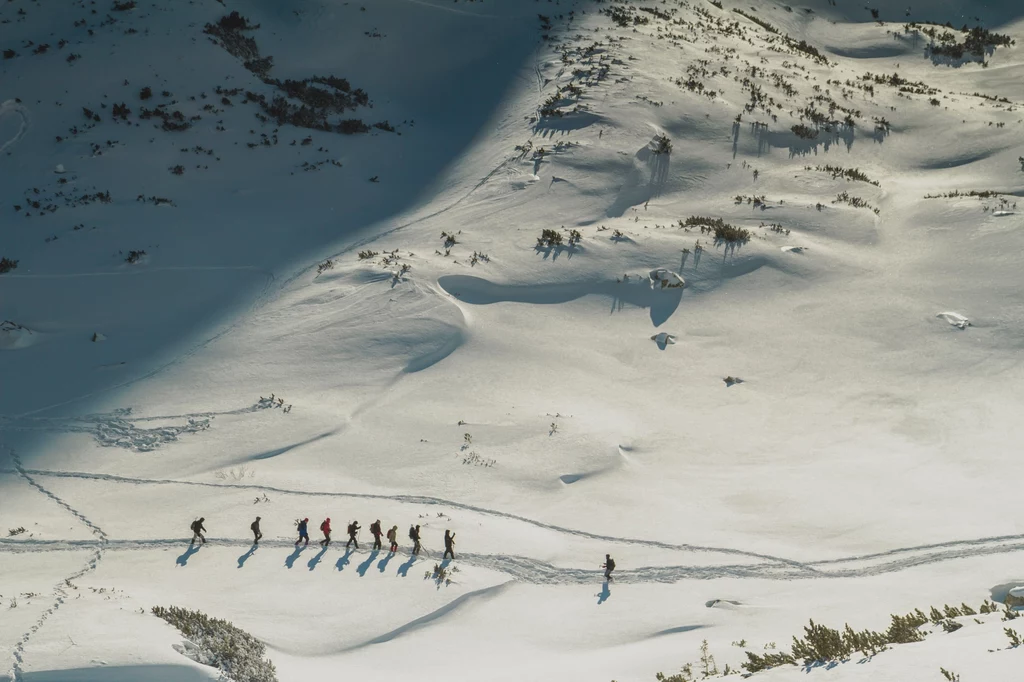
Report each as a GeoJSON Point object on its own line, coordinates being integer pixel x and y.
{"type": "Point", "coordinates": [195, 526]}
{"type": "Point", "coordinates": [412, 532]}
{"type": "Point", "coordinates": [351, 529]}
{"type": "Point", "coordinates": [611, 565]}
{"type": "Point", "coordinates": [375, 528]}
{"type": "Point", "coordinates": [323, 527]}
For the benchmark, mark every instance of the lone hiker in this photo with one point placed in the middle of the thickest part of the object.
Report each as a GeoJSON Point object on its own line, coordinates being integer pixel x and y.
{"type": "Point", "coordinates": [198, 530]}
{"type": "Point", "coordinates": [608, 566]}
{"type": "Point", "coordinates": [414, 535]}
{"type": "Point", "coordinates": [353, 528]}
{"type": "Point", "coordinates": [303, 532]}
{"type": "Point", "coordinates": [256, 533]}
{"type": "Point", "coordinates": [325, 528]}
{"type": "Point", "coordinates": [393, 539]}
{"type": "Point", "coordinates": [449, 544]}
{"type": "Point", "coordinates": [376, 531]}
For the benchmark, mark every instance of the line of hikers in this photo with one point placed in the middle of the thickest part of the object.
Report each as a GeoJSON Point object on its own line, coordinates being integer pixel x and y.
{"type": "Point", "coordinates": [375, 529]}
{"type": "Point", "coordinates": [353, 528]}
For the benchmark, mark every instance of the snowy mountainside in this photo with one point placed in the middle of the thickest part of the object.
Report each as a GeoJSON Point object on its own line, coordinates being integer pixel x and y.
{"type": "Point", "coordinates": [468, 316]}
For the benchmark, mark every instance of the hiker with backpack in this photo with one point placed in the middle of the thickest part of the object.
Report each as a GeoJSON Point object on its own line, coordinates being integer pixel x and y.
{"type": "Point", "coordinates": [414, 535]}
{"type": "Point", "coordinates": [198, 530]}
{"type": "Point", "coordinates": [303, 527]}
{"type": "Point", "coordinates": [256, 534]}
{"type": "Point", "coordinates": [325, 528]}
{"type": "Point", "coordinates": [353, 528]}
{"type": "Point", "coordinates": [608, 566]}
{"type": "Point", "coordinates": [376, 532]}
{"type": "Point", "coordinates": [393, 539]}
{"type": "Point", "coordinates": [449, 544]}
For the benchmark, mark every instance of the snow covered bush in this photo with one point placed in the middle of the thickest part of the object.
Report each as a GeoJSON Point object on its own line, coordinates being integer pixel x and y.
{"type": "Point", "coordinates": [7, 264]}
{"type": "Point", "coordinates": [218, 643]}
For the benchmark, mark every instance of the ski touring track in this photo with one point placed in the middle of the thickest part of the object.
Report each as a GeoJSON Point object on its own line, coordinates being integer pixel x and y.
{"type": "Point", "coordinates": [11, 107]}
{"type": "Point", "coordinates": [59, 591]}
{"type": "Point", "coordinates": [529, 570]}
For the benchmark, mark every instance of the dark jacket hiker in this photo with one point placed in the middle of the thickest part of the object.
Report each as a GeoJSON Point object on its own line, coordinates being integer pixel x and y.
{"type": "Point", "coordinates": [198, 530]}
{"type": "Point", "coordinates": [449, 544]}
{"type": "Point", "coordinates": [414, 535]}
{"type": "Point", "coordinates": [256, 533]}
{"type": "Point", "coordinates": [353, 528]}
{"type": "Point", "coordinates": [376, 532]}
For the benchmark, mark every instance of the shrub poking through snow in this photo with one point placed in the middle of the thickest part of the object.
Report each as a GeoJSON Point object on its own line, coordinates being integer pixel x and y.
{"type": "Point", "coordinates": [662, 144]}
{"type": "Point", "coordinates": [822, 644]}
{"type": "Point", "coordinates": [326, 265]}
{"type": "Point", "coordinates": [134, 257]}
{"type": "Point", "coordinates": [804, 132]}
{"type": "Point", "coordinates": [367, 254]}
{"type": "Point", "coordinates": [219, 644]}
{"type": "Point", "coordinates": [7, 264]}
{"type": "Point", "coordinates": [549, 238]}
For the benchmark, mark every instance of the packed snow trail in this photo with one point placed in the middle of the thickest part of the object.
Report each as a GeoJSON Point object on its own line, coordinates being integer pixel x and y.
{"type": "Point", "coordinates": [531, 570]}
{"type": "Point", "coordinates": [435, 501]}
{"type": "Point", "coordinates": [59, 591]}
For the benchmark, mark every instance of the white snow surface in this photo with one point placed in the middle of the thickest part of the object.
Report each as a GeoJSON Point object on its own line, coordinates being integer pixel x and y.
{"type": "Point", "coordinates": [431, 364]}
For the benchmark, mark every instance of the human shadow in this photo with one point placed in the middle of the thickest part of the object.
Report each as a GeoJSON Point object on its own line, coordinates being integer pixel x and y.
{"type": "Point", "coordinates": [316, 559]}
{"type": "Point", "coordinates": [245, 557]}
{"type": "Point", "coordinates": [290, 561]}
{"type": "Point", "coordinates": [382, 565]}
{"type": "Point", "coordinates": [365, 566]}
{"type": "Point", "coordinates": [403, 570]}
{"type": "Point", "coordinates": [183, 559]}
{"type": "Point", "coordinates": [343, 561]}
{"type": "Point", "coordinates": [603, 595]}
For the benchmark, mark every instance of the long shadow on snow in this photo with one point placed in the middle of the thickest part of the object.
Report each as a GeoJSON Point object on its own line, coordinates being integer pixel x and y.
{"type": "Point", "coordinates": [183, 559]}
{"type": "Point", "coordinates": [423, 621]}
{"type": "Point", "coordinates": [476, 291]}
{"type": "Point", "coordinates": [264, 234]}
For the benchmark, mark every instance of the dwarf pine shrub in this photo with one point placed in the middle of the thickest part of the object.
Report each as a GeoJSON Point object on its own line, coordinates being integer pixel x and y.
{"type": "Point", "coordinates": [219, 644]}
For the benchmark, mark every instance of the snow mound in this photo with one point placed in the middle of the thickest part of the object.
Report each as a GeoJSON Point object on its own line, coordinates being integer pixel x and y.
{"type": "Point", "coordinates": [955, 319]}
{"type": "Point", "coordinates": [666, 279]}
{"type": "Point", "coordinates": [1002, 214]}
{"type": "Point", "coordinates": [14, 336]}
{"type": "Point", "coordinates": [793, 249]}
{"type": "Point", "coordinates": [1015, 597]}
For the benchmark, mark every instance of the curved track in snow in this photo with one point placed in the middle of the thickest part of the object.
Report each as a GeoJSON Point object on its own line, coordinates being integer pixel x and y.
{"type": "Point", "coordinates": [59, 591]}
{"type": "Point", "coordinates": [534, 571]}
{"type": "Point", "coordinates": [12, 108]}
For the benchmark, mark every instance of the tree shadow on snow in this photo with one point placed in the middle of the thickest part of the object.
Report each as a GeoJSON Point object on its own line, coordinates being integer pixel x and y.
{"type": "Point", "coordinates": [603, 595]}
{"type": "Point", "coordinates": [365, 566]}
{"type": "Point", "coordinates": [245, 557]}
{"type": "Point", "coordinates": [290, 560]}
{"type": "Point", "coordinates": [403, 570]}
{"type": "Point", "coordinates": [343, 560]}
{"type": "Point", "coordinates": [183, 559]}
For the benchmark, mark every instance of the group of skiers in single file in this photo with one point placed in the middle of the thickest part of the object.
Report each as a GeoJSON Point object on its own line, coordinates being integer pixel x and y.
{"type": "Point", "coordinates": [302, 526]}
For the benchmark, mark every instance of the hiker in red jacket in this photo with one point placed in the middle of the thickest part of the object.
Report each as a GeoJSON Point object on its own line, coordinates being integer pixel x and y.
{"type": "Point", "coordinates": [325, 528]}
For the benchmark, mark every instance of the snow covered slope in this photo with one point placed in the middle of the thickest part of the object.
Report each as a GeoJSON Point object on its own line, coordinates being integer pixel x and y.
{"type": "Point", "coordinates": [419, 261]}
